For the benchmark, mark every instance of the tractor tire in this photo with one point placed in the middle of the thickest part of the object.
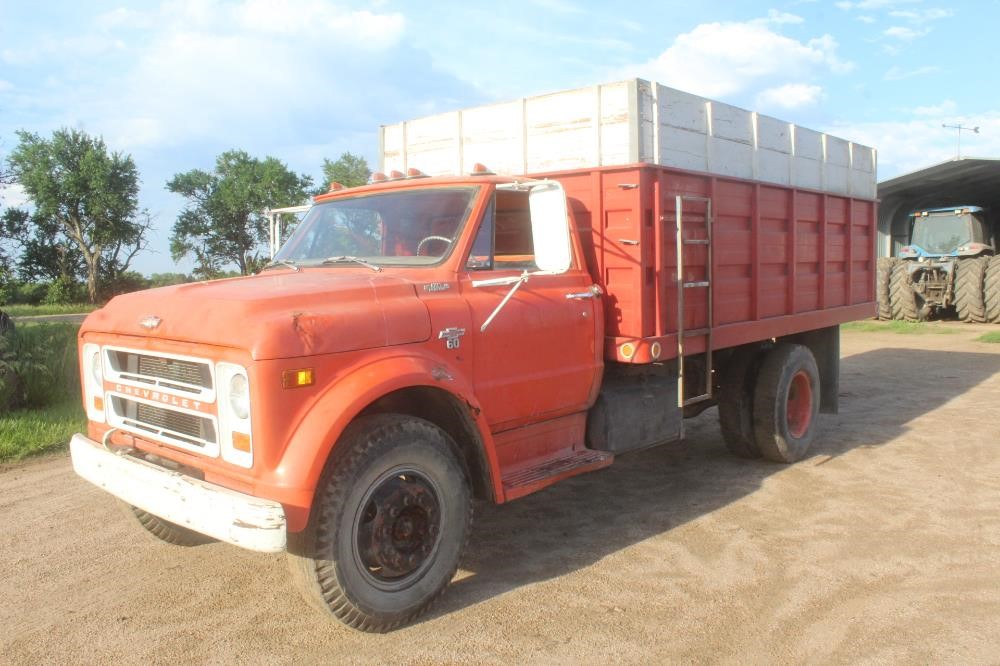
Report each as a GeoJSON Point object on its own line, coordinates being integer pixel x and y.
{"type": "Point", "coordinates": [902, 298]}
{"type": "Point", "coordinates": [166, 531]}
{"type": "Point", "coordinates": [991, 290]}
{"type": "Point", "coordinates": [883, 270]}
{"type": "Point", "coordinates": [786, 403]}
{"type": "Point", "coordinates": [736, 403]}
{"type": "Point", "coordinates": [970, 275]}
{"type": "Point", "coordinates": [391, 517]}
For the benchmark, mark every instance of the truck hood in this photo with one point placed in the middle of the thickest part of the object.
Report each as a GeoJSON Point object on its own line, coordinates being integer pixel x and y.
{"type": "Point", "coordinates": [275, 315]}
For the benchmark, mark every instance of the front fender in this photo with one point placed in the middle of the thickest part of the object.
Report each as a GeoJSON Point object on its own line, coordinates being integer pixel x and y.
{"type": "Point", "coordinates": [316, 435]}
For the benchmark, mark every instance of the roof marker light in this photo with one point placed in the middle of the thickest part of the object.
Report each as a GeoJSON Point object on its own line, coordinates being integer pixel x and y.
{"type": "Point", "coordinates": [480, 169]}
{"type": "Point", "coordinates": [334, 186]}
{"type": "Point", "coordinates": [395, 175]}
{"type": "Point", "coordinates": [415, 173]}
{"type": "Point", "coordinates": [377, 177]}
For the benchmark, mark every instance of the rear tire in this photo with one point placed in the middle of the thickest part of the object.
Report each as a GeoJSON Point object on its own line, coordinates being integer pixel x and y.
{"type": "Point", "coordinates": [736, 403]}
{"type": "Point", "coordinates": [786, 403]}
{"type": "Point", "coordinates": [970, 275]}
{"type": "Point", "coordinates": [390, 521]}
{"type": "Point", "coordinates": [166, 531]}
{"type": "Point", "coordinates": [883, 271]}
{"type": "Point", "coordinates": [902, 298]}
{"type": "Point", "coordinates": [991, 290]}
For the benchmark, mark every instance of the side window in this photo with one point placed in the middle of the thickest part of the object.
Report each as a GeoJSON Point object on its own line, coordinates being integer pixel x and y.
{"type": "Point", "coordinates": [504, 240]}
{"type": "Point", "coordinates": [481, 257]}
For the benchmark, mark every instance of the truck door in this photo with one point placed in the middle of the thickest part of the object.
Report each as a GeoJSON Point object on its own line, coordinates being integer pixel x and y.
{"type": "Point", "coordinates": [540, 357]}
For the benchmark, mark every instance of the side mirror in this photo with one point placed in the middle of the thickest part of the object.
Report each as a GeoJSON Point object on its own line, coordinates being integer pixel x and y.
{"type": "Point", "coordinates": [550, 227]}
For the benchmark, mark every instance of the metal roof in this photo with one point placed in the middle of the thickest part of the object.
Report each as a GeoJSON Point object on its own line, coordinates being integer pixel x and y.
{"type": "Point", "coordinates": [959, 182]}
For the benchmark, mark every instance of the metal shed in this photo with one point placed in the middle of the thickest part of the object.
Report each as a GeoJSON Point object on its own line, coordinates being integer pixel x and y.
{"type": "Point", "coordinates": [964, 181]}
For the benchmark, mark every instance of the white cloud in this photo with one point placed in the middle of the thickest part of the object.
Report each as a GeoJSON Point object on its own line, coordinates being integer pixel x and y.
{"type": "Point", "coordinates": [864, 18]}
{"type": "Point", "coordinates": [908, 145]}
{"type": "Point", "coordinates": [559, 6]}
{"type": "Point", "coordinates": [789, 96]}
{"type": "Point", "coordinates": [720, 59]}
{"type": "Point", "coordinates": [6, 85]}
{"type": "Point", "coordinates": [945, 108]}
{"type": "Point", "coordinates": [870, 5]}
{"type": "Point", "coordinates": [13, 196]}
{"type": "Point", "coordinates": [776, 17]}
{"type": "Point", "coordinates": [922, 15]}
{"type": "Point", "coordinates": [197, 70]}
{"type": "Point", "coordinates": [896, 74]}
{"type": "Point", "coordinates": [904, 34]}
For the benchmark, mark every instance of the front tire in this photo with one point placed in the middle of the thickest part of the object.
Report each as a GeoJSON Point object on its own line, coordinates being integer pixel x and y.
{"type": "Point", "coordinates": [786, 403]}
{"type": "Point", "coordinates": [166, 531]}
{"type": "Point", "coordinates": [390, 521]}
{"type": "Point", "coordinates": [902, 298]}
{"type": "Point", "coordinates": [970, 274]}
{"type": "Point", "coordinates": [883, 271]}
{"type": "Point", "coordinates": [991, 290]}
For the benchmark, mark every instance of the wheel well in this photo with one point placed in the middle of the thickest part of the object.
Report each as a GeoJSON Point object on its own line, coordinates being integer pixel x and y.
{"type": "Point", "coordinates": [448, 413]}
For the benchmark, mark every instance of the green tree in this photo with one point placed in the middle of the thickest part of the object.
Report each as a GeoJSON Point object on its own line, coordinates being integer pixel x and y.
{"type": "Point", "coordinates": [349, 170]}
{"type": "Point", "coordinates": [84, 199]}
{"type": "Point", "coordinates": [222, 223]}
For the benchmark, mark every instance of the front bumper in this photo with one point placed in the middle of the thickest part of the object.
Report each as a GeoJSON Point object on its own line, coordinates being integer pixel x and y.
{"type": "Point", "coordinates": [226, 515]}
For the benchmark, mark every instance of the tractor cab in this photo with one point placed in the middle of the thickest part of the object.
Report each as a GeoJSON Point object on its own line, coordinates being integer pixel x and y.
{"type": "Point", "coordinates": [948, 232]}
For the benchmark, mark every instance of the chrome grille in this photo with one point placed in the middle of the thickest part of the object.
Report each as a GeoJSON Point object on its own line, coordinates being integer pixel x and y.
{"type": "Point", "coordinates": [177, 427]}
{"type": "Point", "coordinates": [185, 376]}
{"type": "Point", "coordinates": [171, 369]}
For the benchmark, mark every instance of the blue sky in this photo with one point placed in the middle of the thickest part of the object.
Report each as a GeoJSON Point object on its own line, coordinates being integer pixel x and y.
{"type": "Point", "coordinates": [175, 83]}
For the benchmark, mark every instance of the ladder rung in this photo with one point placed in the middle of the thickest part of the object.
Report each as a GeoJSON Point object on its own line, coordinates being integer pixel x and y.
{"type": "Point", "coordinates": [696, 331]}
{"type": "Point", "coordinates": [696, 241]}
{"type": "Point", "coordinates": [692, 285]}
{"type": "Point", "coordinates": [698, 398]}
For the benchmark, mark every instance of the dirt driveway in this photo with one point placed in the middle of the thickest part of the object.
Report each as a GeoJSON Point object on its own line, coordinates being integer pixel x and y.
{"type": "Point", "coordinates": [882, 546]}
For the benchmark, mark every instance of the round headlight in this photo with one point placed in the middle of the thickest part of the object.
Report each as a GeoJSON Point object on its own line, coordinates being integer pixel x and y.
{"type": "Point", "coordinates": [239, 396]}
{"type": "Point", "coordinates": [95, 369]}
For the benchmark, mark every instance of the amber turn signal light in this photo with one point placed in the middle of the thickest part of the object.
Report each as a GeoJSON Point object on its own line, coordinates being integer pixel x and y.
{"type": "Point", "coordinates": [241, 442]}
{"type": "Point", "coordinates": [297, 378]}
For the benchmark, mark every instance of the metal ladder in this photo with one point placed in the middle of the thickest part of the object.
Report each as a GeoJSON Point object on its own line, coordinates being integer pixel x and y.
{"type": "Point", "coordinates": [682, 334]}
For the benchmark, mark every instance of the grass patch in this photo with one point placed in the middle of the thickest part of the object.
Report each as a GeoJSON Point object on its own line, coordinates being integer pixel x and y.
{"type": "Point", "coordinates": [993, 337]}
{"type": "Point", "coordinates": [901, 327]}
{"type": "Point", "coordinates": [20, 310]}
{"type": "Point", "coordinates": [45, 358]}
{"type": "Point", "coordinates": [27, 432]}
{"type": "Point", "coordinates": [40, 381]}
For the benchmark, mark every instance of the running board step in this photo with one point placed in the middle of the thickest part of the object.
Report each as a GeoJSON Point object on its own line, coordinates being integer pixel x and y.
{"type": "Point", "coordinates": [527, 480]}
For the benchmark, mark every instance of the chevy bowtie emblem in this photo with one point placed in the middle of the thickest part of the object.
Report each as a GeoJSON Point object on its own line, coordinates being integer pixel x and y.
{"type": "Point", "coordinates": [150, 322]}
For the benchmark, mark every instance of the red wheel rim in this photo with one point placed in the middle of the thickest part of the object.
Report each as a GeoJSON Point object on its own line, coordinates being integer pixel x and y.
{"type": "Point", "coordinates": [799, 406]}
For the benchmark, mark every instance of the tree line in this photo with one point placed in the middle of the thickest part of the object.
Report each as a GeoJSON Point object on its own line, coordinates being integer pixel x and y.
{"type": "Point", "coordinates": [84, 227]}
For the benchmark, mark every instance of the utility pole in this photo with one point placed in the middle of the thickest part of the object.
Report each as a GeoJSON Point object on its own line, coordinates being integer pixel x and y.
{"type": "Point", "coordinates": [975, 130]}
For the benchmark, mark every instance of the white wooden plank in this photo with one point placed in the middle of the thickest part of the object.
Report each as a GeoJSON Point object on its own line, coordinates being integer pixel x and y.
{"type": "Point", "coordinates": [624, 121]}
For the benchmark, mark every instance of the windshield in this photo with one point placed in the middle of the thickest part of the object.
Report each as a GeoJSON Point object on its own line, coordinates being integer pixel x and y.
{"type": "Point", "coordinates": [941, 233]}
{"type": "Point", "coordinates": [416, 227]}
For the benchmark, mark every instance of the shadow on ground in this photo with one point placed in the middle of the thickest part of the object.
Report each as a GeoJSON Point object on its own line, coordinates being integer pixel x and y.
{"type": "Point", "coordinates": [579, 521]}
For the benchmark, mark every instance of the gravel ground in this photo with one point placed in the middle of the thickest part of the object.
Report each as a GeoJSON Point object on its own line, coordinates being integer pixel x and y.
{"type": "Point", "coordinates": [883, 546]}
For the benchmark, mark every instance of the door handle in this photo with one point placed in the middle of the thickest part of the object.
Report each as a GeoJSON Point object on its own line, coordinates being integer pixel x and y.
{"type": "Point", "coordinates": [593, 292]}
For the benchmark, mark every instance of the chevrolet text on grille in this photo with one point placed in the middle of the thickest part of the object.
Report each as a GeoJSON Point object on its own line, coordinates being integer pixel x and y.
{"type": "Point", "coordinates": [157, 396]}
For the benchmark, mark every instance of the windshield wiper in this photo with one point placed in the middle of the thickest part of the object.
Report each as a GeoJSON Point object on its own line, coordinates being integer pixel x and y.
{"type": "Point", "coordinates": [282, 262]}
{"type": "Point", "coordinates": [357, 260]}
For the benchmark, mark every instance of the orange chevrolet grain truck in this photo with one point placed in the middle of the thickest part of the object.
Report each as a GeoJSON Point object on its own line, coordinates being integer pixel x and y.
{"type": "Point", "coordinates": [422, 341]}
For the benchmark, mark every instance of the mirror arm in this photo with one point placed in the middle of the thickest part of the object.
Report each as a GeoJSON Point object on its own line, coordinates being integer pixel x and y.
{"type": "Point", "coordinates": [517, 285]}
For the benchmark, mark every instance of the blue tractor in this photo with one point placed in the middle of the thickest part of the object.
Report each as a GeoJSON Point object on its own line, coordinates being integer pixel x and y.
{"type": "Point", "coordinates": [948, 265]}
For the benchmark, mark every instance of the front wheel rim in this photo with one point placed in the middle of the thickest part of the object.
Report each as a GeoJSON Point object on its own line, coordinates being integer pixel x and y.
{"type": "Point", "coordinates": [397, 529]}
{"type": "Point", "coordinates": [799, 404]}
